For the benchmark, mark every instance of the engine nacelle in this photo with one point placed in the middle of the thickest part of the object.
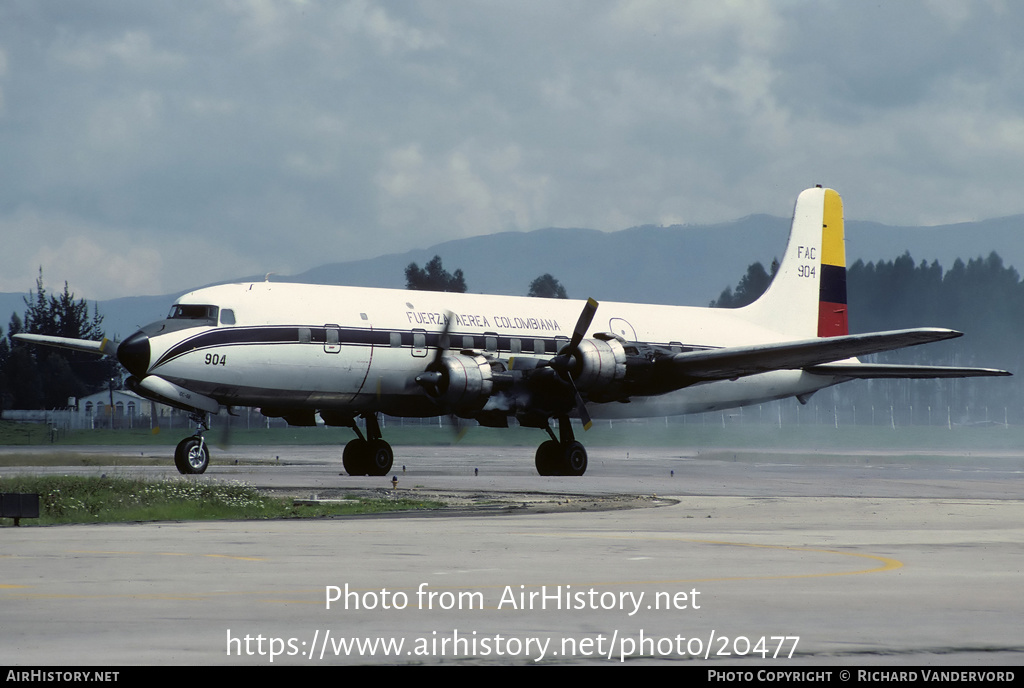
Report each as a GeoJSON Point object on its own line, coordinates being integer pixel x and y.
{"type": "Point", "coordinates": [599, 363]}
{"type": "Point", "coordinates": [467, 381]}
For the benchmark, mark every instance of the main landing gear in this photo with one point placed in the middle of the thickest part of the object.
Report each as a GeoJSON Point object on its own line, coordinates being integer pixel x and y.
{"type": "Point", "coordinates": [371, 455]}
{"type": "Point", "coordinates": [368, 456]}
{"type": "Point", "coordinates": [192, 456]}
{"type": "Point", "coordinates": [564, 456]}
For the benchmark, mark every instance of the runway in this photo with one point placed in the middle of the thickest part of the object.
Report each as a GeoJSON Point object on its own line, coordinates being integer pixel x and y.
{"type": "Point", "coordinates": [782, 561]}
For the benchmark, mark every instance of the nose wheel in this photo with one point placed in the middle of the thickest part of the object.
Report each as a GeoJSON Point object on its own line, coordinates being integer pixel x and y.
{"type": "Point", "coordinates": [192, 456]}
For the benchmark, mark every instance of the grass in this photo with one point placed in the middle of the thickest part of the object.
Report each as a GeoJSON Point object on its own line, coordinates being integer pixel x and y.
{"type": "Point", "coordinates": [66, 499]}
{"type": "Point", "coordinates": [73, 499]}
{"type": "Point", "coordinates": [694, 432]}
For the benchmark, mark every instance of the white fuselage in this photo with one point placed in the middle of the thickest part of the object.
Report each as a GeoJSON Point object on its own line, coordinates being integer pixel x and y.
{"type": "Point", "coordinates": [358, 349]}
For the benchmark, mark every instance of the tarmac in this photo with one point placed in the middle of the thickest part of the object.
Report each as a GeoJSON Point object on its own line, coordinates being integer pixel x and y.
{"type": "Point", "coordinates": [654, 556]}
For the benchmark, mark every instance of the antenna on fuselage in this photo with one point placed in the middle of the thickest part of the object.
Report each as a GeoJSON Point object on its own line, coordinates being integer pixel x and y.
{"type": "Point", "coordinates": [267, 277]}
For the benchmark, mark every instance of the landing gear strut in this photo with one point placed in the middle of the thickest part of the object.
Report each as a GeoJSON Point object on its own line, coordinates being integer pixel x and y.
{"type": "Point", "coordinates": [192, 456]}
{"type": "Point", "coordinates": [368, 456]}
{"type": "Point", "coordinates": [561, 457]}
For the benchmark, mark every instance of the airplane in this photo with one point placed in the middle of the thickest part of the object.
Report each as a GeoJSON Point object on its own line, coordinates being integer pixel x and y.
{"type": "Point", "coordinates": [298, 351]}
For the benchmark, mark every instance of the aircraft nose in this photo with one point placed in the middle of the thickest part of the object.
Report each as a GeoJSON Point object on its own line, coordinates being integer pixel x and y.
{"type": "Point", "coordinates": [133, 353]}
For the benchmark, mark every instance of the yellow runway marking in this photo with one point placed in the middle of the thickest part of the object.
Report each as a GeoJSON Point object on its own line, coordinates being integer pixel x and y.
{"type": "Point", "coordinates": [887, 563]}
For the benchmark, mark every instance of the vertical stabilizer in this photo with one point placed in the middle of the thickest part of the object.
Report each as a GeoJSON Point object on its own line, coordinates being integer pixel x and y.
{"type": "Point", "coordinates": [807, 297]}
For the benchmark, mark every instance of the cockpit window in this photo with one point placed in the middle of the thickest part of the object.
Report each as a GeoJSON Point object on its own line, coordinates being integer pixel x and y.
{"type": "Point", "coordinates": [188, 311]}
{"type": "Point", "coordinates": [227, 316]}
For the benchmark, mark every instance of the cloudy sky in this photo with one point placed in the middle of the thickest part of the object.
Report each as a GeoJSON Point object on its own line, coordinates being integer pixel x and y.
{"type": "Point", "coordinates": [147, 147]}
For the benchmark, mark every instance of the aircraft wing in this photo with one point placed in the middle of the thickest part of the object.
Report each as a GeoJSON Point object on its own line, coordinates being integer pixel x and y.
{"type": "Point", "coordinates": [812, 355]}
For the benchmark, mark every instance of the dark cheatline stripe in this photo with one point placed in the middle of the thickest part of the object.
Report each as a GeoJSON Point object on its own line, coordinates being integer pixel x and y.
{"type": "Point", "coordinates": [289, 334]}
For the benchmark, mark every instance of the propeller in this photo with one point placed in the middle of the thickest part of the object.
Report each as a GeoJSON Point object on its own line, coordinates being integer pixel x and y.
{"type": "Point", "coordinates": [224, 437]}
{"type": "Point", "coordinates": [432, 378]}
{"type": "Point", "coordinates": [563, 362]}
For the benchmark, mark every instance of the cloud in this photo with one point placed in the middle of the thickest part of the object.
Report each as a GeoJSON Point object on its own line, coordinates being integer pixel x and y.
{"type": "Point", "coordinates": [462, 192]}
{"type": "Point", "coordinates": [275, 136]}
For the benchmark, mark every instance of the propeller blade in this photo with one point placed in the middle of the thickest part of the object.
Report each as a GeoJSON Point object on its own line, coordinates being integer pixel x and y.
{"type": "Point", "coordinates": [581, 406]}
{"type": "Point", "coordinates": [443, 341]}
{"type": "Point", "coordinates": [433, 376]}
{"type": "Point", "coordinates": [224, 436]}
{"type": "Point", "coordinates": [582, 325]}
{"type": "Point", "coordinates": [458, 429]}
{"type": "Point", "coordinates": [104, 347]}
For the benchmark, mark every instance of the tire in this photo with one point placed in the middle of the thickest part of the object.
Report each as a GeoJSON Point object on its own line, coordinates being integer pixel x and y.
{"type": "Point", "coordinates": [191, 456]}
{"type": "Point", "coordinates": [379, 457]}
{"type": "Point", "coordinates": [547, 458]}
{"type": "Point", "coordinates": [574, 459]}
{"type": "Point", "coordinates": [353, 458]}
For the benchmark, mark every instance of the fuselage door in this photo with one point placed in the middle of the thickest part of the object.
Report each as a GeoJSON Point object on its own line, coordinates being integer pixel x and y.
{"type": "Point", "coordinates": [622, 328]}
{"type": "Point", "coordinates": [332, 340]}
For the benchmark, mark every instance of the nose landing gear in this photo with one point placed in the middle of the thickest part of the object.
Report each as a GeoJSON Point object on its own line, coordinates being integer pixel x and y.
{"type": "Point", "coordinates": [192, 456]}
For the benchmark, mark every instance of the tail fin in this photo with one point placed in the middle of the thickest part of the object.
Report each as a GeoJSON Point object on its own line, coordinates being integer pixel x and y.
{"type": "Point", "coordinates": [807, 297]}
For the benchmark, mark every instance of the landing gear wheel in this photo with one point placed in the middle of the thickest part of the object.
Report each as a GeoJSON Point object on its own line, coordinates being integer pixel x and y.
{"type": "Point", "coordinates": [353, 458]}
{"type": "Point", "coordinates": [191, 456]}
{"type": "Point", "coordinates": [379, 457]}
{"type": "Point", "coordinates": [548, 457]}
{"type": "Point", "coordinates": [574, 459]}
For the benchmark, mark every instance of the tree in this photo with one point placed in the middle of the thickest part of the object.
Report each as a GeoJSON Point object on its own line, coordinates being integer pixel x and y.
{"type": "Point", "coordinates": [547, 287]}
{"type": "Point", "coordinates": [433, 277]}
{"type": "Point", "coordinates": [37, 377]}
{"type": "Point", "coordinates": [750, 287]}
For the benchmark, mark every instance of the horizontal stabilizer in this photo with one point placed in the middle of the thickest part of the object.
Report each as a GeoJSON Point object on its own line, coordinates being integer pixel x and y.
{"type": "Point", "coordinates": [874, 371]}
{"type": "Point", "coordinates": [739, 361]}
{"type": "Point", "coordinates": [105, 347]}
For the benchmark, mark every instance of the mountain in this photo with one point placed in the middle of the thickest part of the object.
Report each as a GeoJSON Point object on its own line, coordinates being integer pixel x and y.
{"type": "Point", "coordinates": [682, 265]}
{"type": "Point", "coordinates": [673, 265]}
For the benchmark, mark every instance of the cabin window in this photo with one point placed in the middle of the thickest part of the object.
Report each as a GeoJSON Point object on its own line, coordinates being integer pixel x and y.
{"type": "Point", "coordinates": [538, 346]}
{"type": "Point", "coordinates": [467, 342]}
{"type": "Point", "coordinates": [491, 342]}
{"type": "Point", "coordinates": [305, 336]}
{"type": "Point", "coordinates": [396, 339]}
{"type": "Point", "coordinates": [332, 339]}
{"type": "Point", "coordinates": [515, 346]}
{"type": "Point", "coordinates": [419, 343]}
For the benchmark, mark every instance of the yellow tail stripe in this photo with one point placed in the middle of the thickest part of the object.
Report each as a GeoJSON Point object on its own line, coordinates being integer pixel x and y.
{"type": "Point", "coordinates": [833, 245]}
